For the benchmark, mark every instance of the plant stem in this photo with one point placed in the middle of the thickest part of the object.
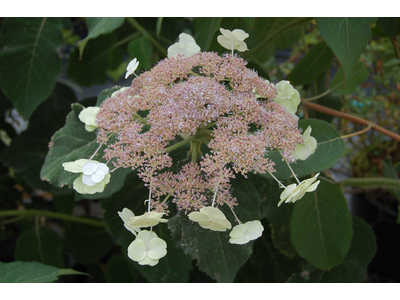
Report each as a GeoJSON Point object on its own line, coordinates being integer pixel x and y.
{"type": "Point", "coordinates": [371, 182]}
{"type": "Point", "coordinates": [50, 214]}
{"type": "Point", "coordinates": [177, 145]}
{"type": "Point", "coordinates": [139, 28]}
{"type": "Point", "coordinates": [354, 119]}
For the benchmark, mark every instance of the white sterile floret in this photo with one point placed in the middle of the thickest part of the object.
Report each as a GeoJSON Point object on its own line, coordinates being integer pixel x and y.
{"type": "Point", "coordinates": [186, 46]}
{"type": "Point", "coordinates": [210, 218]}
{"type": "Point", "coordinates": [94, 172]}
{"type": "Point", "coordinates": [233, 40]}
{"type": "Point", "coordinates": [287, 96]}
{"type": "Point", "coordinates": [126, 215]}
{"type": "Point", "coordinates": [147, 248]}
{"type": "Point", "coordinates": [95, 179]}
{"type": "Point", "coordinates": [303, 151]}
{"type": "Point", "coordinates": [243, 233]}
{"type": "Point", "coordinates": [88, 116]}
{"type": "Point", "coordinates": [294, 192]}
{"type": "Point", "coordinates": [147, 219]}
{"type": "Point", "coordinates": [131, 68]}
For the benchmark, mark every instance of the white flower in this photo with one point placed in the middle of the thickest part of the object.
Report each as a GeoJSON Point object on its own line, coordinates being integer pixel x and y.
{"type": "Point", "coordinates": [186, 46]}
{"type": "Point", "coordinates": [210, 218]}
{"type": "Point", "coordinates": [95, 179]}
{"type": "Point", "coordinates": [303, 151]}
{"type": "Point", "coordinates": [131, 68]}
{"type": "Point", "coordinates": [88, 116]}
{"type": "Point", "coordinates": [147, 248]}
{"type": "Point", "coordinates": [233, 40]}
{"type": "Point", "coordinates": [147, 219]}
{"type": "Point", "coordinates": [294, 192]}
{"type": "Point", "coordinates": [126, 215]}
{"type": "Point", "coordinates": [94, 172]}
{"type": "Point", "coordinates": [243, 233]}
{"type": "Point", "coordinates": [287, 96]}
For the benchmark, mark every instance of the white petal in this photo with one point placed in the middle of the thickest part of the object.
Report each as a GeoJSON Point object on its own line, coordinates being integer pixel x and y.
{"type": "Point", "coordinates": [225, 42]}
{"type": "Point", "coordinates": [87, 180]}
{"type": "Point", "coordinates": [191, 49]}
{"type": "Point", "coordinates": [174, 50]}
{"type": "Point", "coordinates": [97, 177]}
{"type": "Point", "coordinates": [90, 167]}
{"type": "Point", "coordinates": [240, 34]}
{"type": "Point", "coordinates": [185, 39]}
{"type": "Point", "coordinates": [227, 33]}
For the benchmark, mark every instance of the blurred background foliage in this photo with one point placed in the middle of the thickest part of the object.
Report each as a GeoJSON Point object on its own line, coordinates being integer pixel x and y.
{"type": "Point", "coordinates": [47, 64]}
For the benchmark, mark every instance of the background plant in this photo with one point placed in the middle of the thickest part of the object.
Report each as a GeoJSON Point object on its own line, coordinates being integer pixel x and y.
{"type": "Point", "coordinates": [50, 65]}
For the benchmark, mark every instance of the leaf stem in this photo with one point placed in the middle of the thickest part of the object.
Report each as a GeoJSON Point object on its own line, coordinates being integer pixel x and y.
{"type": "Point", "coordinates": [177, 145]}
{"type": "Point", "coordinates": [371, 182]}
{"type": "Point", "coordinates": [50, 214]}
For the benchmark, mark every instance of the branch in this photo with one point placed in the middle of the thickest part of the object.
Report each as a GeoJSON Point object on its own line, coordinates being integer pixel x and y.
{"type": "Point", "coordinates": [354, 119]}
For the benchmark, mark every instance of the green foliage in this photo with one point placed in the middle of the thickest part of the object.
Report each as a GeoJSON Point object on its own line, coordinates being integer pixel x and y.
{"type": "Point", "coordinates": [347, 37]}
{"type": "Point", "coordinates": [321, 227]}
{"type": "Point", "coordinates": [29, 62]}
{"type": "Point", "coordinates": [27, 272]}
{"type": "Point", "coordinates": [358, 75]}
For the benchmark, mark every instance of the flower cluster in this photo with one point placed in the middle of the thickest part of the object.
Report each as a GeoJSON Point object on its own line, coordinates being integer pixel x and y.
{"type": "Point", "coordinates": [195, 98]}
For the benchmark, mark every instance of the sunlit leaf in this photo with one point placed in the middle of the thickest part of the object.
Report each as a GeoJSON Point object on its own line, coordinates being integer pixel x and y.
{"type": "Point", "coordinates": [27, 272]}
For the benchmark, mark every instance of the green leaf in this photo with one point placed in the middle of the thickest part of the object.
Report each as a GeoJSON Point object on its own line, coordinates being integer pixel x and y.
{"type": "Point", "coordinates": [105, 94]}
{"type": "Point", "coordinates": [362, 250]}
{"type": "Point", "coordinates": [321, 227]}
{"type": "Point", "coordinates": [388, 25]}
{"type": "Point", "coordinates": [158, 26]}
{"type": "Point", "coordinates": [215, 255]}
{"type": "Point", "coordinates": [44, 247]}
{"type": "Point", "coordinates": [28, 150]}
{"type": "Point", "coordinates": [88, 243]}
{"type": "Point", "coordinates": [70, 143]}
{"type": "Point", "coordinates": [27, 272]}
{"type": "Point", "coordinates": [205, 31]}
{"type": "Point", "coordinates": [175, 266]}
{"type": "Point", "coordinates": [29, 61]}
{"type": "Point", "coordinates": [62, 272]}
{"type": "Point", "coordinates": [347, 38]}
{"type": "Point", "coordinates": [312, 65]}
{"type": "Point", "coordinates": [101, 55]}
{"type": "Point", "coordinates": [358, 75]}
{"type": "Point", "coordinates": [330, 148]}
{"type": "Point", "coordinates": [99, 26]}
{"type": "Point", "coordinates": [141, 48]}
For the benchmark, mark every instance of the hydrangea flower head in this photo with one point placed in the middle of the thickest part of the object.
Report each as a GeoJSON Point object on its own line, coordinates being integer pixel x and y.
{"type": "Point", "coordinates": [287, 96]}
{"type": "Point", "coordinates": [186, 46]}
{"type": "Point", "coordinates": [243, 233]}
{"type": "Point", "coordinates": [304, 150]}
{"type": "Point", "coordinates": [126, 215]}
{"type": "Point", "coordinates": [294, 192]}
{"type": "Point", "coordinates": [147, 248]}
{"type": "Point", "coordinates": [233, 40]}
{"type": "Point", "coordinates": [88, 116]}
{"type": "Point", "coordinates": [147, 219]}
{"type": "Point", "coordinates": [210, 218]}
{"type": "Point", "coordinates": [131, 68]}
{"type": "Point", "coordinates": [94, 175]}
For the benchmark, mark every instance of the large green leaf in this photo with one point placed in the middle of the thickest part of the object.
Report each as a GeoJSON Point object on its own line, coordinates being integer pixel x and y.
{"type": "Point", "coordinates": [175, 266]}
{"type": "Point", "coordinates": [215, 255]}
{"type": "Point", "coordinates": [44, 246]}
{"type": "Point", "coordinates": [330, 148]}
{"type": "Point", "coordinates": [99, 26]}
{"type": "Point", "coordinates": [321, 226]}
{"type": "Point", "coordinates": [388, 25]}
{"type": "Point", "coordinates": [312, 65]}
{"type": "Point", "coordinates": [358, 75]}
{"type": "Point", "coordinates": [354, 266]}
{"type": "Point", "coordinates": [28, 150]}
{"type": "Point", "coordinates": [205, 31]}
{"type": "Point", "coordinates": [347, 38]}
{"type": "Point", "coordinates": [27, 272]}
{"type": "Point", "coordinates": [101, 54]}
{"type": "Point", "coordinates": [29, 62]}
